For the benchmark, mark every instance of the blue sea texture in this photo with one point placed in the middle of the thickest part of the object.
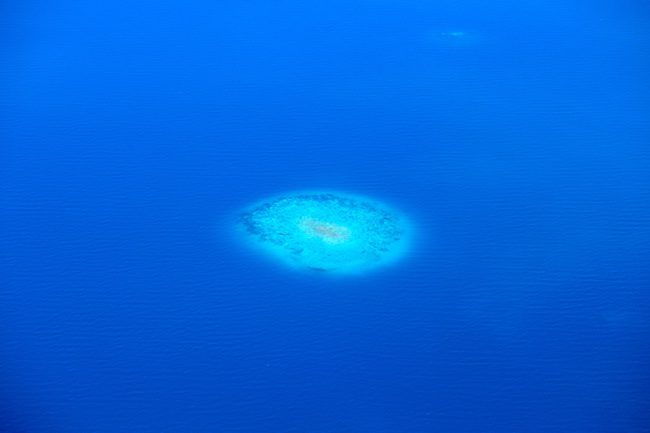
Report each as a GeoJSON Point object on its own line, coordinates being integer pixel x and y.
{"type": "Point", "coordinates": [512, 137]}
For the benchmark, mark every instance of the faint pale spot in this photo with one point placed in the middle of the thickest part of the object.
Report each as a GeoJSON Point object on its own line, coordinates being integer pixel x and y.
{"type": "Point", "coordinates": [455, 38]}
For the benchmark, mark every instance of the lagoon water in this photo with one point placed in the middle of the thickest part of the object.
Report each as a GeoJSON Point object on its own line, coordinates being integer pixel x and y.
{"type": "Point", "coordinates": [514, 136]}
{"type": "Point", "coordinates": [327, 232]}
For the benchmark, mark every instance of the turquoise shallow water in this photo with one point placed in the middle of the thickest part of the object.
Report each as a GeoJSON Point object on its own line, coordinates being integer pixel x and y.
{"type": "Point", "coordinates": [328, 231]}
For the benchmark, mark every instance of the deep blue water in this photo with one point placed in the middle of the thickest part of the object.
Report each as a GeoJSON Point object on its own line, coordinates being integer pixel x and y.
{"type": "Point", "coordinates": [516, 136]}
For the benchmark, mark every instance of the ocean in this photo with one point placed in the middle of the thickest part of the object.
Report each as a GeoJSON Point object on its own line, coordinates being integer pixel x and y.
{"type": "Point", "coordinates": [514, 135]}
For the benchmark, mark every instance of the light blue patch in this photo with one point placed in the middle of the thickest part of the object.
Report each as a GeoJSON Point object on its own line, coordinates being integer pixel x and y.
{"type": "Point", "coordinates": [455, 38]}
{"type": "Point", "coordinates": [327, 231]}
